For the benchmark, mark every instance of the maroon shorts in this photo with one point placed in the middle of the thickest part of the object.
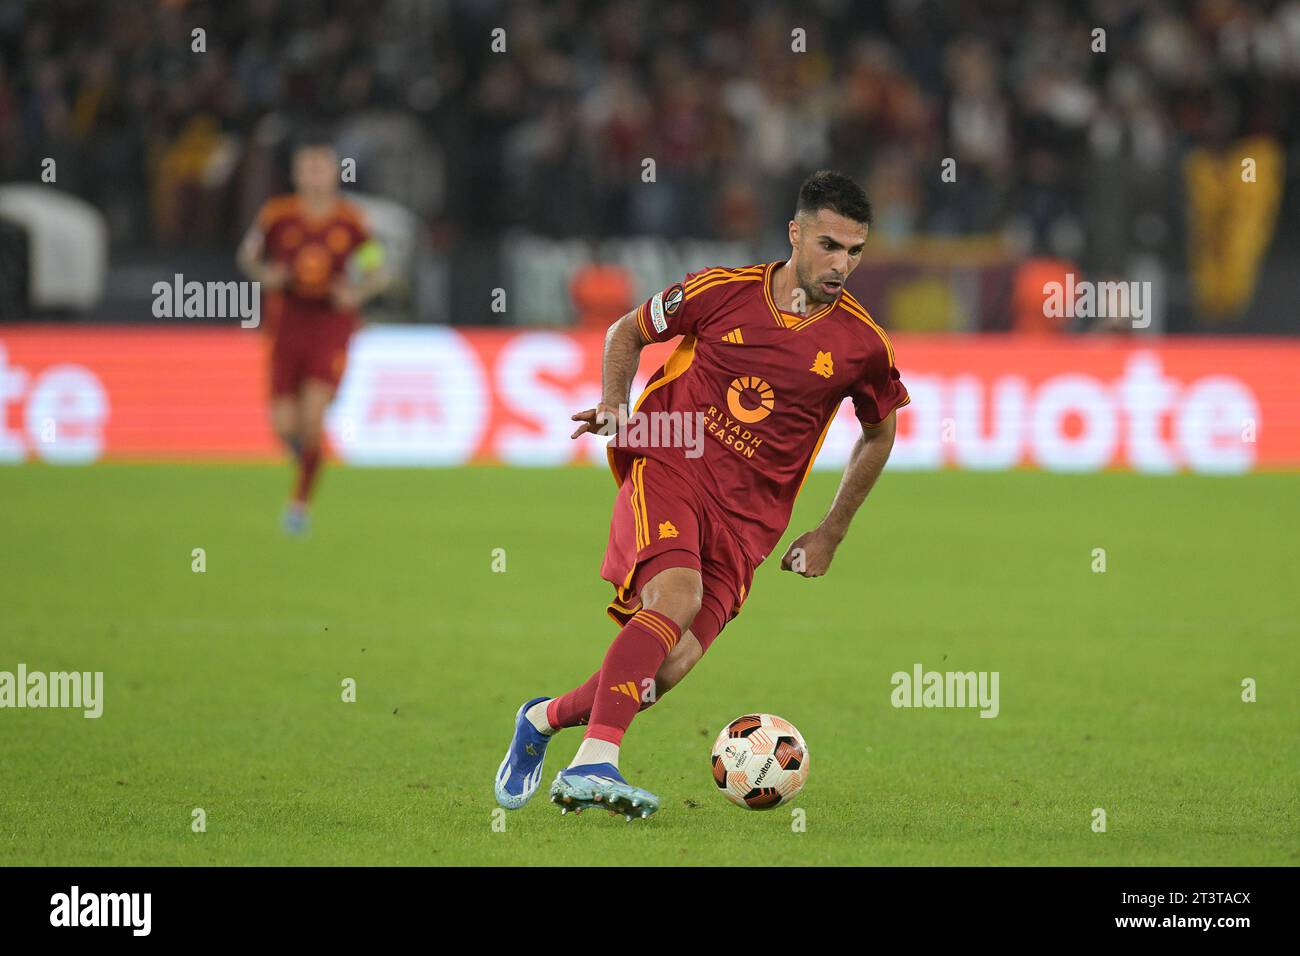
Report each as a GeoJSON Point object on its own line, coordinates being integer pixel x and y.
{"type": "Point", "coordinates": [302, 351]}
{"type": "Point", "coordinates": [659, 523]}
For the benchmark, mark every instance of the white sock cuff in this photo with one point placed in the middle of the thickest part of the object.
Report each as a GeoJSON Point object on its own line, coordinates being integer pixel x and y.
{"type": "Point", "coordinates": [595, 751]}
{"type": "Point", "coordinates": [536, 715]}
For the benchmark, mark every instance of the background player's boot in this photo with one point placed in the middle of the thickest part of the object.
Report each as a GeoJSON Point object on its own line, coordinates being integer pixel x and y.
{"type": "Point", "coordinates": [295, 518]}
{"type": "Point", "coordinates": [521, 770]}
{"type": "Point", "coordinates": [601, 786]}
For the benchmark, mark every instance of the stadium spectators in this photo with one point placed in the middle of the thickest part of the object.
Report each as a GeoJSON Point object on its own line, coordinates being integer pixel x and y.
{"type": "Point", "coordinates": [1075, 151]}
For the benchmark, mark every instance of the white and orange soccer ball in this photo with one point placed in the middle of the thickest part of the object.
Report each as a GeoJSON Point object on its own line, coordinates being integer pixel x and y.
{"type": "Point", "coordinates": [760, 761]}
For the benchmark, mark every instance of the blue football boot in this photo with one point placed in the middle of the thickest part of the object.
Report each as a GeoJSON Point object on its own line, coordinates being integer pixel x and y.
{"type": "Point", "coordinates": [521, 770]}
{"type": "Point", "coordinates": [601, 786]}
{"type": "Point", "coordinates": [295, 520]}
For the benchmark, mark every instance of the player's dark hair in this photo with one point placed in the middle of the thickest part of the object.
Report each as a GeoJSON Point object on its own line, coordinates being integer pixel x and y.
{"type": "Point", "coordinates": [827, 189]}
{"type": "Point", "coordinates": [312, 137]}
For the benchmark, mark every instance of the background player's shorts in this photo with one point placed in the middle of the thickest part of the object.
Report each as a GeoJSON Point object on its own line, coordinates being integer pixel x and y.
{"type": "Point", "coordinates": [659, 523]}
{"type": "Point", "coordinates": [303, 352]}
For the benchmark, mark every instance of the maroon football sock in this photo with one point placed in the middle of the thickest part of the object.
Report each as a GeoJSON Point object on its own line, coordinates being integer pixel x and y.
{"type": "Point", "coordinates": [573, 708]}
{"type": "Point", "coordinates": [308, 468]}
{"type": "Point", "coordinates": [630, 666]}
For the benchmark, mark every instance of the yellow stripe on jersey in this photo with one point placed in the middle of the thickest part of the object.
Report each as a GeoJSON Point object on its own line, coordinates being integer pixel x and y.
{"type": "Point", "coordinates": [676, 365]}
{"type": "Point", "coordinates": [789, 320]}
{"type": "Point", "coordinates": [722, 281]}
{"type": "Point", "coordinates": [853, 307]}
{"type": "Point", "coordinates": [708, 275]}
{"type": "Point", "coordinates": [816, 449]}
{"type": "Point", "coordinates": [809, 320]}
{"type": "Point", "coordinates": [645, 521]}
{"type": "Point", "coordinates": [632, 503]}
{"type": "Point", "coordinates": [767, 295]}
{"type": "Point", "coordinates": [906, 401]}
{"type": "Point", "coordinates": [638, 504]}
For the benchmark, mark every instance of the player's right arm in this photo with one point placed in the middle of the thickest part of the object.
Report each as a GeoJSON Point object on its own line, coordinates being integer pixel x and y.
{"type": "Point", "coordinates": [675, 311]}
{"type": "Point", "coordinates": [621, 358]}
{"type": "Point", "coordinates": [252, 259]}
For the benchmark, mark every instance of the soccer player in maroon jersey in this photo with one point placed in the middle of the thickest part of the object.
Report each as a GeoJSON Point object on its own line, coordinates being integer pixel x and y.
{"type": "Point", "coordinates": [317, 264]}
{"type": "Point", "coordinates": [767, 354]}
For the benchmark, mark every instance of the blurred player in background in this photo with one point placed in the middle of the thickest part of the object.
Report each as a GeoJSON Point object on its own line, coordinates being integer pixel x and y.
{"type": "Point", "coordinates": [318, 265]}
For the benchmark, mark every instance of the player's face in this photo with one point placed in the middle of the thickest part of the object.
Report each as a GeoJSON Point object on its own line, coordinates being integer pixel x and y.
{"type": "Point", "coordinates": [827, 247]}
{"type": "Point", "coordinates": [315, 170]}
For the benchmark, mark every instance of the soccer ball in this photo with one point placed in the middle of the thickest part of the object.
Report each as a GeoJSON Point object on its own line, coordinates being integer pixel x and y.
{"type": "Point", "coordinates": [760, 761]}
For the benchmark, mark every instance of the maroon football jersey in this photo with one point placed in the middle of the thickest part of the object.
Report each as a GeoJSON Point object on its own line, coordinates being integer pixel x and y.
{"type": "Point", "coordinates": [316, 251]}
{"type": "Point", "coordinates": [768, 383]}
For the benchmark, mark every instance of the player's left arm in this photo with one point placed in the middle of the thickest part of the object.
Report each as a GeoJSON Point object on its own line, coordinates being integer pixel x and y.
{"type": "Point", "coordinates": [366, 274]}
{"type": "Point", "coordinates": [877, 396]}
{"type": "Point", "coordinates": [370, 277]}
{"type": "Point", "coordinates": [811, 552]}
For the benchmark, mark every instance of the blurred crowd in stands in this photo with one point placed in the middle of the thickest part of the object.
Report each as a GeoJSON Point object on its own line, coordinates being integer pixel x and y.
{"type": "Point", "coordinates": [1090, 146]}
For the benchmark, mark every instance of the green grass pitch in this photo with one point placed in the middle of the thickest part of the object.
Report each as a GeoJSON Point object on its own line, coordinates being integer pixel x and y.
{"type": "Point", "coordinates": [1120, 690]}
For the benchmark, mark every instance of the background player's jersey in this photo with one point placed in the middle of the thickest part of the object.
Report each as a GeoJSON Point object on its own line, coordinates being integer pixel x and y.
{"type": "Point", "coordinates": [316, 252]}
{"type": "Point", "coordinates": [768, 384]}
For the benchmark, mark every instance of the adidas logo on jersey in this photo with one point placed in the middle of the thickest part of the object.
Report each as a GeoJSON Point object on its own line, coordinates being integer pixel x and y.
{"type": "Point", "coordinates": [734, 337]}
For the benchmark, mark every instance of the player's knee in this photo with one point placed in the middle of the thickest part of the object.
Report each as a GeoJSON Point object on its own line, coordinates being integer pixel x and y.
{"type": "Point", "coordinates": [309, 436]}
{"type": "Point", "coordinates": [285, 425]}
{"type": "Point", "coordinates": [675, 593]}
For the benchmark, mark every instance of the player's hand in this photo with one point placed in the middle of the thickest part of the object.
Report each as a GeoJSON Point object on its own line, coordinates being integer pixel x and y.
{"type": "Point", "coordinates": [604, 419]}
{"type": "Point", "coordinates": [345, 296]}
{"type": "Point", "coordinates": [275, 276]}
{"type": "Point", "coordinates": [810, 554]}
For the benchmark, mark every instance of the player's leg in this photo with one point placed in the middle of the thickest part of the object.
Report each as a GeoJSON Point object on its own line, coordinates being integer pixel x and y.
{"type": "Point", "coordinates": [286, 378]}
{"type": "Point", "coordinates": [542, 717]}
{"type": "Point", "coordinates": [313, 401]}
{"type": "Point", "coordinates": [670, 600]}
{"type": "Point", "coordinates": [632, 557]}
{"type": "Point", "coordinates": [520, 771]}
{"type": "Point", "coordinates": [676, 666]}
{"type": "Point", "coordinates": [725, 575]}
{"type": "Point", "coordinates": [679, 660]}
{"type": "Point", "coordinates": [654, 531]}
{"type": "Point", "coordinates": [653, 559]}
{"type": "Point", "coordinates": [724, 590]}
{"type": "Point", "coordinates": [284, 421]}
{"type": "Point", "coordinates": [550, 715]}
{"type": "Point", "coordinates": [287, 371]}
{"type": "Point", "coordinates": [324, 358]}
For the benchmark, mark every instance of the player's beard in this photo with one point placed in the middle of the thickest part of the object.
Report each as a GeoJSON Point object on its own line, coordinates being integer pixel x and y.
{"type": "Point", "coordinates": [812, 289]}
